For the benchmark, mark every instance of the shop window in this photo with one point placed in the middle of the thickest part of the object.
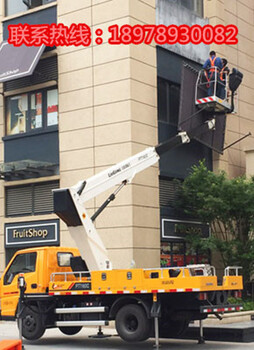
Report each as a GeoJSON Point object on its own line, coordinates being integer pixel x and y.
{"type": "Point", "coordinates": [33, 199]}
{"type": "Point", "coordinates": [191, 255]}
{"type": "Point", "coordinates": [178, 254]}
{"type": "Point", "coordinates": [24, 263]}
{"type": "Point", "coordinates": [16, 6]}
{"type": "Point", "coordinates": [168, 101]}
{"type": "Point", "coordinates": [165, 254]}
{"type": "Point", "coordinates": [37, 110]}
{"type": "Point", "coordinates": [52, 107]}
{"type": "Point", "coordinates": [17, 113]}
{"type": "Point", "coordinates": [181, 254]}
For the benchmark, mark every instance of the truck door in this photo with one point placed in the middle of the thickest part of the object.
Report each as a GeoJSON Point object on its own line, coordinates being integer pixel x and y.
{"type": "Point", "coordinates": [23, 263]}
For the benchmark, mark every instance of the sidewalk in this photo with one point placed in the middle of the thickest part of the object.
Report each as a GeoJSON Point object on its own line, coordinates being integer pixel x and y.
{"type": "Point", "coordinates": [213, 330]}
{"type": "Point", "coordinates": [54, 339]}
{"type": "Point", "coordinates": [9, 330]}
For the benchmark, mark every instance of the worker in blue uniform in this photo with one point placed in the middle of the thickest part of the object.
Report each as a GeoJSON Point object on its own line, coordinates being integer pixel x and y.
{"type": "Point", "coordinates": [211, 73]}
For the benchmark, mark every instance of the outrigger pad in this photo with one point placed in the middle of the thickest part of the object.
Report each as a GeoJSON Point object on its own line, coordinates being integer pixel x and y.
{"type": "Point", "coordinates": [65, 208]}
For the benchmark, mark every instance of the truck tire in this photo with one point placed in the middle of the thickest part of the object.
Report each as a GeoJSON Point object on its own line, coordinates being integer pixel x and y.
{"type": "Point", "coordinates": [221, 297]}
{"type": "Point", "coordinates": [70, 330]}
{"type": "Point", "coordinates": [32, 325]}
{"type": "Point", "coordinates": [132, 323]}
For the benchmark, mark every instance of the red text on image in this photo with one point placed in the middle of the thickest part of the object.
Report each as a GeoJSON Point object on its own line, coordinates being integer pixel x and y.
{"type": "Point", "coordinates": [173, 34]}
{"type": "Point", "coordinates": [80, 34]}
{"type": "Point", "coordinates": [49, 35]}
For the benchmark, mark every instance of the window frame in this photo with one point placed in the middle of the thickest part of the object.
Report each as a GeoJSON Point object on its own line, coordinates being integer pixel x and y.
{"type": "Point", "coordinates": [29, 131]}
{"type": "Point", "coordinates": [6, 283]}
{"type": "Point", "coordinates": [167, 119]}
{"type": "Point", "coordinates": [33, 189]}
{"type": "Point", "coordinates": [27, 10]}
{"type": "Point", "coordinates": [63, 253]}
{"type": "Point", "coordinates": [194, 7]}
{"type": "Point", "coordinates": [173, 255]}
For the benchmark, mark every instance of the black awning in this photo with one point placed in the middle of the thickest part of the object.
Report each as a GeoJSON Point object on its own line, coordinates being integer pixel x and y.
{"type": "Point", "coordinates": [24, 168]}
{"type": "Point", "coordinates": [18, 62]}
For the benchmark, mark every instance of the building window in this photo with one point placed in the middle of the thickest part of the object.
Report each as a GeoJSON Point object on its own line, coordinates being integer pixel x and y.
{"type": "Point", "coordinates": [36, 110]}
{"type": "Point", "coordinates": [33, 199]}
{"type": "Point", "coordinates": [193, 5]}
{"type": "Point", "coordinates": [169, 190]}
{"type": "Point", "coordinates": [168, 101]}
{"type": "Point", "coordinates": [31, 111]}
{"type": "Point", "coordinates": [181, 254]}
{"type": "Point", "coordinates": [15, 6]}
{"type": "Point", "coordinates": [52, 107]}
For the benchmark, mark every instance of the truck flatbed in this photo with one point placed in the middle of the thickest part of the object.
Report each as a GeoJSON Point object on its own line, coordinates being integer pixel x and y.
{"type": "Point", "coordinates": [137, 281]}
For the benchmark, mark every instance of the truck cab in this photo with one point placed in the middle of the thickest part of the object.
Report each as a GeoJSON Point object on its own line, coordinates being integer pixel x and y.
{"type": "Point", "coordinates": [36, 264]}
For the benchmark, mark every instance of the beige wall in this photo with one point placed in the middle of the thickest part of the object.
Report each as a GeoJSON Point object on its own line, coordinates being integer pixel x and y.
{"type": "Point", "coordinates": [108, 111]}
{"type": "Point", "coordinates": [241, 56]}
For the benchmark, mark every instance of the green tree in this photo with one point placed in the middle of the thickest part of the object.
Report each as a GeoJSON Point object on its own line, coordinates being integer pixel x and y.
{"type": "Point", "coordinates": [228, 206]}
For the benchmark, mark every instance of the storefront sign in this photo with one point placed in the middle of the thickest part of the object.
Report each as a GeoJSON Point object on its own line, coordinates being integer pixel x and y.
{"type": "Point", "coordinates": [178, 229]}
{"type": "Point", "coordinates": [34, 233]}
{"type": "Point", "coordinates": [18, 62]}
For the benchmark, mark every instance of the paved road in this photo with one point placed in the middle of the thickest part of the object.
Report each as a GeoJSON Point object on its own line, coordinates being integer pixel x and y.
{"type": "Point", "coordinates": [54, 339]}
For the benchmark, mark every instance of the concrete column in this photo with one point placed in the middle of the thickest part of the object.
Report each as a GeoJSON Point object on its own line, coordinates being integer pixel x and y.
{"type": "Point", "coordinates": [108, 112]}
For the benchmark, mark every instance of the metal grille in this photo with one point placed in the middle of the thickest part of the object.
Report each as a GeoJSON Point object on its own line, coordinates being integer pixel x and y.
{"type": "Point", "coordinates": [43, 199]}
{"type": "Point", "coordinates": [46, 70]}
{"type": "Point", "coordinates": [168, 192]}
{"type": "Point", "coordinates": [19, 201]}
{"type": "Point", "coordinates": [30, 199]}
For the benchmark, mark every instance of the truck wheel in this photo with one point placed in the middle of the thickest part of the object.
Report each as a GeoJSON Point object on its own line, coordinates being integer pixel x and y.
{"type": "Point", "coordinates": [32, 326]}
{"type": "Point", "coordinates": [70, 330]}
{"type": "Point", "coordinates": [221, 297]}
{"type": "Point", "coordinates": [132, 323]}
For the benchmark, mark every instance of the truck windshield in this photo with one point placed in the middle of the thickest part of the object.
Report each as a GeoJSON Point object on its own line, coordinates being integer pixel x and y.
{"type": "Point", "coordinates": [23, 263]}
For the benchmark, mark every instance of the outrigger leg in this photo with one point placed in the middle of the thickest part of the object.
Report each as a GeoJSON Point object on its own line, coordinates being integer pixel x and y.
{"type": "Point", "coordinates": [100, 334]}
{"type": "Point", "coordinates": [201, 339]}
{"type": "Point", "coordinates": [155, 313]}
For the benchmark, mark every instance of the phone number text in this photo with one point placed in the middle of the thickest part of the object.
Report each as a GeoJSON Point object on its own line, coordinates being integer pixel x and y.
{"type": "Point", "coordinates": [81, 34]}
{"type": "Point", "coordinates": [173, 34]}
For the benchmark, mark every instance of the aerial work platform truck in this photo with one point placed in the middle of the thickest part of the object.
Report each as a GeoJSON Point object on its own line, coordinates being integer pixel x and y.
{"type": "Point", "coordinates": [70, 288]}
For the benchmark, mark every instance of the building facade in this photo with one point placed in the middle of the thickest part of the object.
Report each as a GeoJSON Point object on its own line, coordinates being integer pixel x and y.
{"type": "Point", "coordinates": [85, 108]}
